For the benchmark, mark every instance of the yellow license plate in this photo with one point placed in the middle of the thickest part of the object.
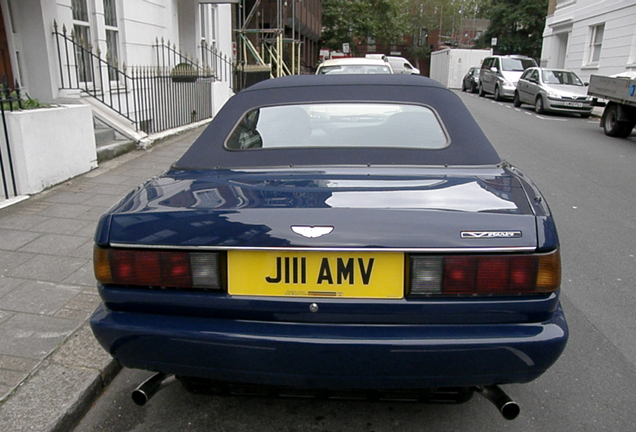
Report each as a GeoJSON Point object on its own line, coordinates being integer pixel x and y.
{"type": "Point", "coordinates": [316, 274]}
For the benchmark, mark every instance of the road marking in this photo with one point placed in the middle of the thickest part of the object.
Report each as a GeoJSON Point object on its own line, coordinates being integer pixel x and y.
{"type": "Point", "coordinates": [551, 118]}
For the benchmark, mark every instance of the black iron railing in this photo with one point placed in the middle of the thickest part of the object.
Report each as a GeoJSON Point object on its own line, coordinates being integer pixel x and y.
{"type": "Point", "coordinates": [81, 69]}
{"type": "Point", "coordinates": [169, 98]}
{"type": "Point", "coordinates": [10, 100]}
{"type": "Point", "coordinates": [176, 92]}
{"type": "Point", "coordinates": [222, 67]}
{"type": "Point", "coordinates": [211, 61]}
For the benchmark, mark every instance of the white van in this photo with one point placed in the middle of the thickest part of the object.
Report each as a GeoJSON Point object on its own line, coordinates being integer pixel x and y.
{"type": "Point", "coordinates": [400, 65]}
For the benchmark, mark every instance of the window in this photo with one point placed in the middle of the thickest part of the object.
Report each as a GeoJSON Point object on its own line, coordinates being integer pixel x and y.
{"type": "Point", "coordinates": [326, 125]}
{"type": "Point", "coordinates": [517, 64]}
{"type": "Point", "coordinates": [112, 38]}
{"type": "Point", "coordinates": [561, 77]}
{"type": "Point", "coordinates": [208, 24]}
{"type": "Point", "coordinates": [82, 30]}
{"type": "Point", "coordinates": [631, 61]}
{"type": "Point", "coordinates": [596, 40]}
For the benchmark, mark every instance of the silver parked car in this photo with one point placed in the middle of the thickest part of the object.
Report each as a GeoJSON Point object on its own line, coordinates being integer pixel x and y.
{"type": "Point", "coordinates": [499, 75]}
{"type": "Point", "coordinates": [553, 90]}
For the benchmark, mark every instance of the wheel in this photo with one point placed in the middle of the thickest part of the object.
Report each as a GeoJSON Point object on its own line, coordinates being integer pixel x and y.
{"type": "Point", "coordinates": [516, 101]}
{"type": "Point", "coordinates": [473, 88]}
{"type": "Point", "coordinates": [611, 126]}
{"type": "Point", "coordinates": [482, 93]}
{"type": "Point", "coordinates": [497, 94]}
{"type": "Point", "coordinates": [463, 86]}
{"type": "Point", "coordinates": [538, 105]}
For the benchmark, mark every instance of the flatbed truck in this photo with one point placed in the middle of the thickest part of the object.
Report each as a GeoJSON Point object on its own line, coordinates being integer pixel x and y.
{"type": "Point", "coordinates": [619, 115]}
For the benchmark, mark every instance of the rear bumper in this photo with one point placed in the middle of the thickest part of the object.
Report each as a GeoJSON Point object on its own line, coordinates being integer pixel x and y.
{"type": "Point", "coordinates": [332, 356]}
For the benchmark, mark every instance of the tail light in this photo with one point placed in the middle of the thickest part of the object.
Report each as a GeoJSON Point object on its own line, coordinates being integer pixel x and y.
{"type": "Point", "coordinates": [157, 268]}
{"type": "Point", "coordinates": [484, 274]}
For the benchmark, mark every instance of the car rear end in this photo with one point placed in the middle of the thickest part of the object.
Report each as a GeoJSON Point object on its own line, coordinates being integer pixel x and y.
{"type": "Point", "coordinates": [375, 241]}
{"type": "Point", "coordinates": [421, 296]}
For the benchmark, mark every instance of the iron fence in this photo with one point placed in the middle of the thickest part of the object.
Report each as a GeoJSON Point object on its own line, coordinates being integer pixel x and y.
{"type": "Point", "coordinates": [175, 92]}
{"type": "Point", "coordinates": [211, 62]}
{"type": "Point", "coordinates": [10, 100]}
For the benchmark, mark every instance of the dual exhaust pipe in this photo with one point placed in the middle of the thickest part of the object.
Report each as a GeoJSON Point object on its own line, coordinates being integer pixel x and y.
{"type": "Point", "coordinates": [508, 408]}
{"type": "Point", "coordinates": [147, 389]}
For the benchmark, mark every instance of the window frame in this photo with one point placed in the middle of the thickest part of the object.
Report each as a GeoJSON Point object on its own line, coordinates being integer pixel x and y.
{"type": "Point", "coordinates": [595, 46]}
{"type": "Point", "coordinates": [257, 110]}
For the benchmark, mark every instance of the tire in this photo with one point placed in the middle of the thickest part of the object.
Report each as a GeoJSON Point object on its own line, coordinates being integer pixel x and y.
{"type": "Point", "coordinates": [611, 126]}
{"type": "Point", "coordinates": [463, 86]}
{"type": "Point", "coordinates": [538, 105]}
{"type": "Point", "coordinates": [473, 88]}
{"type": "Point", "coordinates": [497, 94]}
{"type": "Point", "coordinates": [516, 101]}
{"type": "Point", "coordinates": [482, 93]}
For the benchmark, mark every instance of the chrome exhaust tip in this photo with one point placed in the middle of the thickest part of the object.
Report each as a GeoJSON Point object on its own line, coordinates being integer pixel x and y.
{"type": "Point", "coordinates": [146, 390]}
{"type": "Point", "coordinates": [508, 408]}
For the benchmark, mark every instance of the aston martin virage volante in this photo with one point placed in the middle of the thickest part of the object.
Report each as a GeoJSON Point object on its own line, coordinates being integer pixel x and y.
{"type": "Point", "coordinates": [352, 233]}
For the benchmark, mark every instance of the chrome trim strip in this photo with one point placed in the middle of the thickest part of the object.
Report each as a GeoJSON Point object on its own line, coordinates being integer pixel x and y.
{"type": "Point", "coordinates": [330, 249]}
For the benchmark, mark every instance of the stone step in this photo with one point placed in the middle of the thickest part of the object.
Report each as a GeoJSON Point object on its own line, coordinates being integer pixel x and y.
{"type": "Point", "coordinates": [112, 149]}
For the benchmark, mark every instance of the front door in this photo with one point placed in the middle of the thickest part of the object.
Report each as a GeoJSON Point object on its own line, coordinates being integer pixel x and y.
{"type": "Point", "coordinates": [5, 56]}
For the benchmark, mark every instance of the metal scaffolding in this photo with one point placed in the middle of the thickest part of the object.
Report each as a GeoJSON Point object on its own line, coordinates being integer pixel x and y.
{"type": "Point", "coordinates": [262, 48]}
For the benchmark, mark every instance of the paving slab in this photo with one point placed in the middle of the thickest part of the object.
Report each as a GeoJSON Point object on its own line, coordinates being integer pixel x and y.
{"type": "Point", "coordinates": [51, 367]}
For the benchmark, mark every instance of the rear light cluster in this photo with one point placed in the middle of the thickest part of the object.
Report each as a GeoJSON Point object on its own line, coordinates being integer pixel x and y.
{"type": "Point", "coordinates": [157, 268]}
{"type": "Point", "coordinates": [484, 275]}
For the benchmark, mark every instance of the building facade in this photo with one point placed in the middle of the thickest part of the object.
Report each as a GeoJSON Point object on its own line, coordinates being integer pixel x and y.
{"type": "Point", "coordinates": [128, 62]}
{"type": "Point", "coordinates": [590, 37]}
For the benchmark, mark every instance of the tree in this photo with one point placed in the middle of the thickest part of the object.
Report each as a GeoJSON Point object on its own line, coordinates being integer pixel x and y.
{"type": "Point", "coordinates": [518, 26]}
{"type": "Point", "coordinates": [348, 21]}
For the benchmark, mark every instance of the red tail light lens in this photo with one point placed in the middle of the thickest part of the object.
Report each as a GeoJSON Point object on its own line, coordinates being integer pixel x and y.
{"type": "Point", "coordinates": [485, 274]}
{"type": "Point", "coordinates": [156, 268]}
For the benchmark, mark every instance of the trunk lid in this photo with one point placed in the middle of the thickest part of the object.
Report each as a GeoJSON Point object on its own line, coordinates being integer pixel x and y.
{"type": "Point", "coordinates": [398, 208]}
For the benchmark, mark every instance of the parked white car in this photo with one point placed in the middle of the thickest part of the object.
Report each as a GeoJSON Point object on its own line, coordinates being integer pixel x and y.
{"type": "Point", "coordinates": [354, 65]}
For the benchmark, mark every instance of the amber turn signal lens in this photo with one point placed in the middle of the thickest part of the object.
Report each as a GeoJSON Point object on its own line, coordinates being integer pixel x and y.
{"type": "Point", "coordinates": [101, 265]}
{"type": "Point", "coordinates": [549, 272]}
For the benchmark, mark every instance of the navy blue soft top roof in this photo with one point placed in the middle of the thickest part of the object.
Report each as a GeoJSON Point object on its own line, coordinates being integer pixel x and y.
{"type": "Point", "coordinates": [469, 146]}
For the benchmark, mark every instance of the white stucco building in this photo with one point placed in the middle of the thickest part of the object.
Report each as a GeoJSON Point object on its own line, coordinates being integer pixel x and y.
{"type": "Point", "coordinates": [115, 58]}
{"type": "Point", "coordinates": [590, 36]}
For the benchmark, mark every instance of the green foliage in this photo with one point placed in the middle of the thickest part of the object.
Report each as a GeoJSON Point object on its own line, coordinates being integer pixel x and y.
{"type": "Point", "coordinates": [348, 21]}
{"type": "Point", "coordinates": [13, 103]}
{"type": "Point", "coordinates": [518, 26]}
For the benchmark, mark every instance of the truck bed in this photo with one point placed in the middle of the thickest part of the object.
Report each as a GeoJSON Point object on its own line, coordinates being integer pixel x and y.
{"type": "Point", "coordinates": [619, 90]}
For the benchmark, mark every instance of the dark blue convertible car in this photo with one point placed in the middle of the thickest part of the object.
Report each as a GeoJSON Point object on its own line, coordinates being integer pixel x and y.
{"type": "Point", "coordinates": [331, 234]}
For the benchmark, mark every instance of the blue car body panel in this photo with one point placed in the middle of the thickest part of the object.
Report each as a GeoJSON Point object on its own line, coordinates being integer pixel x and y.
{"type": "Point", "coordinates": [333, 356]}
{"type": "Point", "coordinates": [402, 200]}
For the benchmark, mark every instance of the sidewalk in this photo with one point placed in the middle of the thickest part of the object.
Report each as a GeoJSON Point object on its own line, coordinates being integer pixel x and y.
{"type": "Point", "coordinates": [51, 367]}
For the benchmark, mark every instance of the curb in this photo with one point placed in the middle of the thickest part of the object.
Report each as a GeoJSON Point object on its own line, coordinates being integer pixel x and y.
{"type": "Point", "coordinates": [37, 405]}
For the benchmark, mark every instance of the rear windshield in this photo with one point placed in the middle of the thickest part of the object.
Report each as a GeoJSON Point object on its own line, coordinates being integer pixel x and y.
{"type": "Point", "coordinates": [354, 69]}
{"type": "Point", "coordinates": [513, 64]}
{"type": "Point", "coordinates": [339, 125]}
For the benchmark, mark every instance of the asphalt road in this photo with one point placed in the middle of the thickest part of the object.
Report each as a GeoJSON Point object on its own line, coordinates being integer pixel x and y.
{"type": "Point", "coordinates": [589, 180]}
